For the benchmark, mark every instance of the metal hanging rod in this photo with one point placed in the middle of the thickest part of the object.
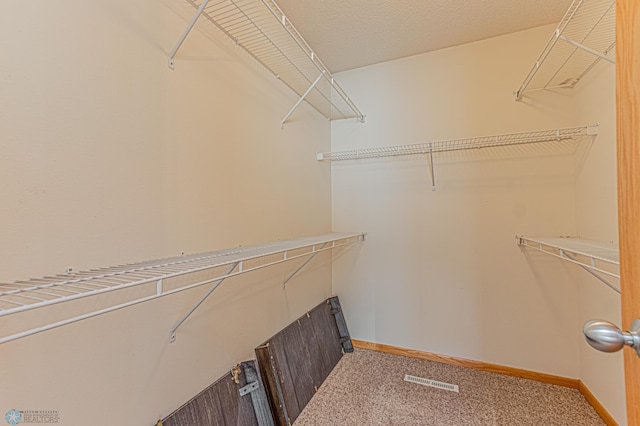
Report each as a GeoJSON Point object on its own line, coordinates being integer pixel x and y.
{"type": "Point", "coordinates": [261, 29]}
{"type": "Point", "coordinates": [585, 36]}
{"type": "Point", "coordinates": [429, 148]}
{"type": "Point", "coordinates": [22, 296]}
{"type": "Point", "coordinates": [592, 256]}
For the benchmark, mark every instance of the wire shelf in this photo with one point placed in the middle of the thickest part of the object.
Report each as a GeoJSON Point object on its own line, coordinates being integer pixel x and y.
{"type": "Point", "coordinates": [585, 36]}
{"type": "Point", "coordinates": [598, 258]}
{"type": "Point", "coordinates": [22, 296]}
{"type": "Point", "coordinates": [542, 136]}
{"type": "Point", "coordinates": [261, 29]}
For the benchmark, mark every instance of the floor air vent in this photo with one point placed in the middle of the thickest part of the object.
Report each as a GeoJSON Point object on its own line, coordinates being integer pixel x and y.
{"type": "Point", "coordinates": [431, 383]}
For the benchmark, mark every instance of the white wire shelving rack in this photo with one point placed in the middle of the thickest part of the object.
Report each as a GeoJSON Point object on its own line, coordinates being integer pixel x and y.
{"type": "Point", "coordinates": [262, 30]}
{"type": "Point", "coordinates": [485, 142]}
{"type": "Point", "coordinates": [157, 278]}
{"type": "Point", "coordinates": [600, 259]}
{"type": "Point", "coordinates": [585, 36]}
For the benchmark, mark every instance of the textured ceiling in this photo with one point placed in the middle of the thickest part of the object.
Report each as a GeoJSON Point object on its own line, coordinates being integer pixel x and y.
{"type": "Point", "coordinates": [348, 34]}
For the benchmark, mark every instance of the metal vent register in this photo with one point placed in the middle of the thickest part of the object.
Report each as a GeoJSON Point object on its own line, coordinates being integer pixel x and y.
{"type": "Point", "coordinates": [431, 383]}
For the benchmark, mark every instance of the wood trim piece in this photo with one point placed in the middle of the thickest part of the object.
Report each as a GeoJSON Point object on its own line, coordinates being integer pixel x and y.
{"type": "Point", "coordinates": [494, 368]}
{"type": "Point", "coordinates": [468, 363]}
{"type": "Point", "coordinates": [628, 135]}
{"type": "Point", "coordinates": [591, 399]}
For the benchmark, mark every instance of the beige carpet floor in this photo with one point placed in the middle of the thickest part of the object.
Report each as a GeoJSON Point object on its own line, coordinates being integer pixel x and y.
{"type": "Point", "coordinates": [368, 388]}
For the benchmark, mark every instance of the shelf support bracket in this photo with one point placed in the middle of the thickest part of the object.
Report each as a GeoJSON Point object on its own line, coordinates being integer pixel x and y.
{"type": "Point", "coordinates": [607, 283]}
{"type": "Point", "coordinates": [433, 177]}
{"type": "Point", "coordinates": [284, 284]}
{"type": "Point", "coordinates": [587, 49]}
{"type": "Point", "coordinates": [186, 32]}
{"type": "Point", "coordinates": [172, 333]}
{"type": "Point", "coordinates": [301, 99]}
{"type": "Point", "coordinates": [597, 273]}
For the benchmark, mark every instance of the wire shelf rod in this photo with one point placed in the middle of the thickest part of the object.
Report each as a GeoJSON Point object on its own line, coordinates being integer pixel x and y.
{"type": "Point", "coordinates": [25, 289]}
{"type": "Point", "coordinates": [11, 286]}
{"type": "Point", "coordinates": [104, 280]}
{"type": "Point", "coordinates": [13, 302]}
{"type": "Point", "coordinates": [275, 46]}
{"type": "Point", "coordinates": [556, 135]}
{"type": "Point", "coordinates": [45, 286]}
{"type": "Point", "coordinates": [592, 249]}
{"type": "Point", "coordinates": [259, 252]}
{"type": "Point", "coordinates": [580, 44]}
{"type": "Point", "coordinates": [261, 29]}
{"type": "Point", "coordinates": [39, 291]}
{"type": "Point", "coordinates": [79, 287]}
{"type": "Point", "coordinates": [15, 285]}
{"type": "Point", "coordinates": [39, 299]}
{"type": "Point", "coordinates": [112, 271]}
{"type": "Point", "coordinates": [548, 48]}
{"type": "Point", "coordinates": [314, 58]}
{"type": "Point", "coordinates": [193, 262]}
{"type": "Point", "coordinates": [255, 252]}
{"type": "Point", "coordinates": [572, 249]}
{"type": "Point", "coordinates": [43, 280]}
{"type": "Point", "coordinates": [584, 37]}
{"type": "Point", "coordinates": [97, 281]}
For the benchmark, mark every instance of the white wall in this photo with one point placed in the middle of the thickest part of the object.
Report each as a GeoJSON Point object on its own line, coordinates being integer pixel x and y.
{"type": "Point", "coordinates": [441, 271]}
{"type": "Point", "coordinates": [109, 157]}
{"type": "Point", "coordinates": [597, 218]}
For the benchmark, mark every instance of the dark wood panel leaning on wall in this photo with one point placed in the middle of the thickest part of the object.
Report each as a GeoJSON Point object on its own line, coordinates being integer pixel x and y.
{"type": "Point", "coordinates": [290, 368]}
{"type": "Point", "coordinates": [227, 402]}
{"type": "Point", "coordinates": [296, 361]}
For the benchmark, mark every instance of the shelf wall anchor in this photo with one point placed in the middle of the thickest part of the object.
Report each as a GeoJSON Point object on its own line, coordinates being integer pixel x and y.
{"type": "Point", "coordinates": [172, 333]}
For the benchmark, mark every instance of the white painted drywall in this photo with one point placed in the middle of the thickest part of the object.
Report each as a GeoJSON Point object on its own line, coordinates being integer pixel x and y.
{"type": "Point", "coordinates": [597, 218]}
{"type": "Point", "coordinates": [110, 157]}
{"type": "Point", "coordinates": [441, 271]}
